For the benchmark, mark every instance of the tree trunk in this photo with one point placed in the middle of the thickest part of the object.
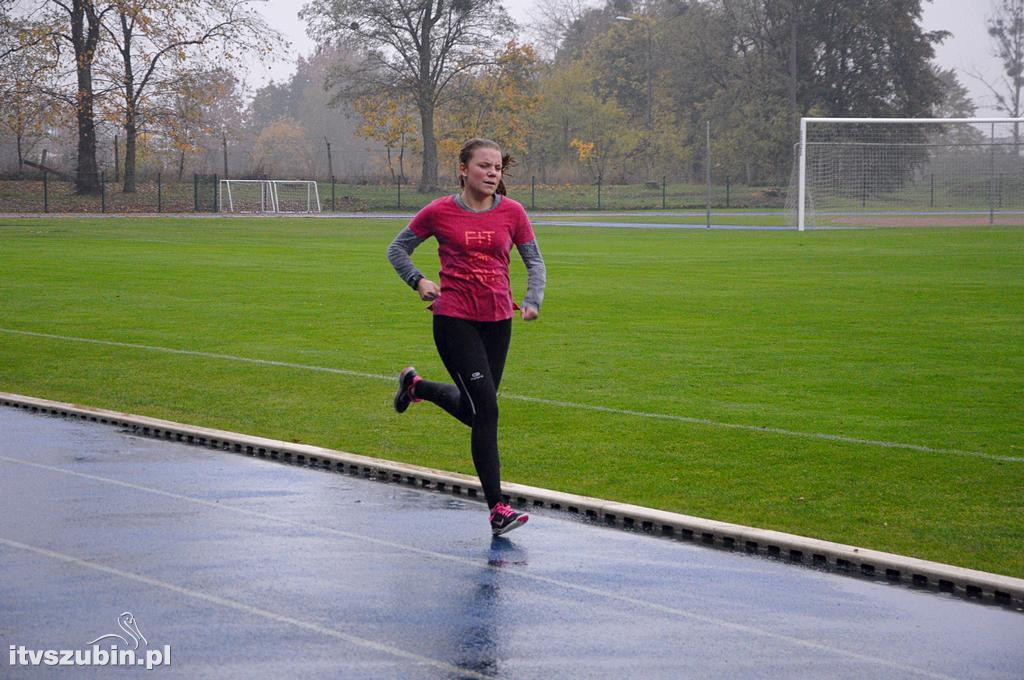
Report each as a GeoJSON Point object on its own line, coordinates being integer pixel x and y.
{"type": "Point", "coordinates": [428, 175]}
{"type": "Point", "coordinates": [181, 165]}
{"type": "Point", "coordinates": [131, 134]}
{"type": "Point", "coordinates": [85, 33]}
{"type": "Point", "coordinates": [425, 100]}
{"type": "Point", "coordinates": [21, 158]}
{"type": "Point", "coordinates": [401, 159]}
{"type": "Point", "coordinates": [793, 106]}
{"type": "Point", "coordinates": [131, 130]}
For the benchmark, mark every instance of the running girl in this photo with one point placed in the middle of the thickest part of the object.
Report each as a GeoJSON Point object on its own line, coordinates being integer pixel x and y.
{"type": "Point", "coordinates": [473, 308]}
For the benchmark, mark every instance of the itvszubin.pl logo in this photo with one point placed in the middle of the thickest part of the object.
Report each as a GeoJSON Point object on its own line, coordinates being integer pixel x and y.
{"type": "Point", "coordinates": [97, 655]}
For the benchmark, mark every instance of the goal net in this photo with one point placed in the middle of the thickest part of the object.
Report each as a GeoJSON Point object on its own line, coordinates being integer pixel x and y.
{"type": "Point", "coordinates": [269, 196]}
{"type": "Point", "coordinates": [294, 196]}
{"type": "Point", "coordinates": [907, 172]}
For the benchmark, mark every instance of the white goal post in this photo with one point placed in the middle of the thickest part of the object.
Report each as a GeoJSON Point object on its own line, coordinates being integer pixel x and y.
{"type": "Point", "coordinates": [908, 171]}
{"type": "Point", "coordinates": [269, 195]}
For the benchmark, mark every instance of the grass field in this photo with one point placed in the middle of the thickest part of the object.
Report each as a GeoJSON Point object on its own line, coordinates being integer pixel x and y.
{"type": "Point", "coordinates": [862, 386]}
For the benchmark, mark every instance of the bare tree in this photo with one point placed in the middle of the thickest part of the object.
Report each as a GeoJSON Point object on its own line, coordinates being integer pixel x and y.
{"type": "Point", "coordinates": [26, 107]}
{"type": "Point", "coordinates": [553, 21]}
{"type": "Point", "coordinates": [1006, 28]}
{"type": "Point", "coordinates": [78, 23]}
{"type": "Point", "coordinates": [158, 41]}
{"type": "Point", "coordinates": [413, 47]}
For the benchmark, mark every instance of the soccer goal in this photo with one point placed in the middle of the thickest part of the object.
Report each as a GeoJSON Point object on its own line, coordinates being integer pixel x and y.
{"type": "Point", "coordinates": [295, 196]}
{"type": "Point", "coordinates": [269, 195]}
{"type": "Point", "coordinates": [908, 172]}
{"type": "Point", "coordinates": [246, 196]}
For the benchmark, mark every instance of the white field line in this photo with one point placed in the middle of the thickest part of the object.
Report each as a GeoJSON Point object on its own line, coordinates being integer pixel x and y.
{"type": "Point", "coordinates": [821, 436]}
{"type": "Point", "coordinates": [434, 554]}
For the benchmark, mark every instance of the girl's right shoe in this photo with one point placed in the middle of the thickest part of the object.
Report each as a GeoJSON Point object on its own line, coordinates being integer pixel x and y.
{"type": "Point", "coordinates": [404, 396]}
{"type": "Point", "coordinates": [505, 519]}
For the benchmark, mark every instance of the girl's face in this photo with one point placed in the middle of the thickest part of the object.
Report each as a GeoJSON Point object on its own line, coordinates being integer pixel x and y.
{"type": "Point", "coordinates": [483, 172]}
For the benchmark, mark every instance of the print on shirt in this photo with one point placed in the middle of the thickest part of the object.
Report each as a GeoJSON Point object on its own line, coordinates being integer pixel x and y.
{"type": "Point", "coordinates": [478, 237]}
{"type": "Point", "coordinates": [481, 265]}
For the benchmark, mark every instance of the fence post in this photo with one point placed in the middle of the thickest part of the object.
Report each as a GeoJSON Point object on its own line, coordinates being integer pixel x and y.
{"type": "Point", "coordinates": [216, 194]}
{"type": "Point", "coordinates": [599, 192]}
{"type": "Point", "coordinates": [863, 182]}
{"type": "Point", "coordinates": [992, 176]}
{"type": "Point", "coordinates": [931, 200]}
{"type": "Point", "coordinates": [707, 171]}
{"type": "Point", "coordinates": [103, 192]}
{"type": "Point", "coordinates": [195, 192]}
{"type": "Point", "coordinates": [533, 192]}
{"type": "Point", "coordinates": [664, 192]}
{"type": "Point", "coordinates": [46, 192]}
{"type": "Point", "coordinates": [728, 183]}
{"type": "Point", "coordinates": [159, 193]}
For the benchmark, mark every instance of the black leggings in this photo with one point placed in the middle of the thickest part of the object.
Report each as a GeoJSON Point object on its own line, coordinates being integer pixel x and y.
{"type": "Point", "coordinates": [474, 353]}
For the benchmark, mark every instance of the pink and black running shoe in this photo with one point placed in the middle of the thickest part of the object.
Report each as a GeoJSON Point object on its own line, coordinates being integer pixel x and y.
{"type": "Point", "coordinates": [407, 379]}
{"type": "Point", "coordinates": [505, 519]}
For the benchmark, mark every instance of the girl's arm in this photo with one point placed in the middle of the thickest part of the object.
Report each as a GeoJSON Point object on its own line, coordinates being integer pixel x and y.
{"type": "Point", "coordinates": [536, 276]}
{"type": "Point", "coordinates": [399, 255]}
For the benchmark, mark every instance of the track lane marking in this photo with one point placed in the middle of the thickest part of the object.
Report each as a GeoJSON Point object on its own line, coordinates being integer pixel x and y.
{"type": "Point", "coordinates": [636, 602]}
{"type": "Point", "coordinates": [242, 607]}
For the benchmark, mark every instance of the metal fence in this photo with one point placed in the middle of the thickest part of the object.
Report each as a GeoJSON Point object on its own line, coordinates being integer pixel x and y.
{"type": "Point", "coordinates": [48, 192]}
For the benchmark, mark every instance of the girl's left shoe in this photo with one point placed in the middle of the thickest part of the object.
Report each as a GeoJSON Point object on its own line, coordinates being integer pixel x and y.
{"type": "Point", "coordinates": [407, 379]}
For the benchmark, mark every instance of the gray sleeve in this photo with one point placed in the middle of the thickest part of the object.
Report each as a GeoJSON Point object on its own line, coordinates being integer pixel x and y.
{"type": "Point", "coordinates": [536, 273]}
{"type": "Point", "coordinates": [399, 253]}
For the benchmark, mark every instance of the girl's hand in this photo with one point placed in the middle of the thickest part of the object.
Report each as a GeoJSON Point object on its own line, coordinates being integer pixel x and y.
{"type": "Point", "coordinates": [428, 290]}
{"type": "Point", "coordinates": [529, 313]}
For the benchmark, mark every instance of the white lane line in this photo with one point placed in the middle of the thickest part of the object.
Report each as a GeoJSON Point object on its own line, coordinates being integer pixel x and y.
{"type": "Point", "coordinates": [636, 602]}
{"type": "Point", "coordinates": [245, 608]}
{"type": "Point", "coordinates": [194, 353]}
{"type": "Point", "coordinates": [821, 436]}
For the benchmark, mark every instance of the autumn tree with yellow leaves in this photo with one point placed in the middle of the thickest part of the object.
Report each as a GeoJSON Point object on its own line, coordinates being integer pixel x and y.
{"type": "Point", "coordinates": [388, 120]}
{"type": "Point", "coordinates": [498, 101]}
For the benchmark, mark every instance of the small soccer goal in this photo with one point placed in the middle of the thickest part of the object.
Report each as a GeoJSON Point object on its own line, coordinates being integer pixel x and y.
{"type": "Point", "coordinates": [246, 196]}
{"type": "Point", "coordinates": [907, 172]}
{"type": "Point", "coordinates": [269, 196]}
{"type": "Point", "coordinates": [295, 196]}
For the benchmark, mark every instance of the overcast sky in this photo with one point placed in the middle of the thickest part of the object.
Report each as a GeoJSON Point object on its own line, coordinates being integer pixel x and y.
{"type": "Point", "coordinates": [968, 51]}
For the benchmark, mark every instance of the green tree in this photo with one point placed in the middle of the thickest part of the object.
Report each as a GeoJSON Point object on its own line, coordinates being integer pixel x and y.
{"type": "Point", "coordinates": [413, 48]}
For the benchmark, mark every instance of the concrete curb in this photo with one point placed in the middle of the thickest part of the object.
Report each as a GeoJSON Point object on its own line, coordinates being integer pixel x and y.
{"type": "Point", "coordinates": [969, 583]}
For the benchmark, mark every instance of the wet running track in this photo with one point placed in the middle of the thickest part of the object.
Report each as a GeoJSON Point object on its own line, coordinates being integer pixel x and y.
{"type": "Point", "coordinates": [247, 568]}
